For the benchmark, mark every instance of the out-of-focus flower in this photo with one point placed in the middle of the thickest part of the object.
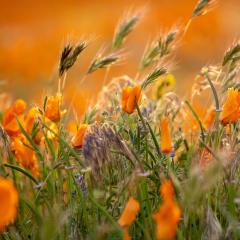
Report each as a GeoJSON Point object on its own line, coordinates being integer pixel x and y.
{"type": "Point", "coordinates": [162, 85]}
{"type": "Point", "coordinates": [126, 235]}
{"type": "Point", "coordinates": [189, 123]}
{"type": "Point", "coordinates": [128, 216]}
{"type": "Point", "coordinates": [168, 215]}
{"type": "Point", "coordinates": [131, 96]}
{"type": "Point", "coordinates": [205, 158]}
{"type": "Point", "coordinates": [231, 107]}
{"type": "Point", "coordinates": [30, 119]}
{"type": "Point", "coordinates": [8, 203]}
{"type": "Point", "coordinates": [77, 140]}
{"type": "Point", "coordinates": [53, 108]}
{"type": "Point", "coordinates": [9, 121]}
{"type": "Point", "coordinates": [209, 119]}
{"type": "Point", "coordinates": [25, 155]}
{"type": "Point", "coordinates": [166, 140]}
{"type": "Point", "coordinates": [129, 213]}
{"type": "Point", "coordinates": [4, 101]}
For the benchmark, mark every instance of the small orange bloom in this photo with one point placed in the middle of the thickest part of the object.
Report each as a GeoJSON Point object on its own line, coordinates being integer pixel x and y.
{"type": "Point", "coordinates": [30, 119]}
{"type": "Point", "coordinates": [131, 96]}
{"type": "Point", "coordinates": [77, 140]}
{"type": "Point", "coordinates": [8, 203]}
{"type": "Point", "coordinates": [53, 106]}
{"type": "Point", "coordinates": [209, 119]}
{"type": "Point", "coordinates": [166, 140]}
{"type": "Point", "coordinates": [25, 155]}
{"type": "Point", "coordinates": [129, 213]}
{"type": "Point", "coordinates": [231, 107]}
{"type": "Point", "coordinates": [168, 215]}
{"type": "Point", "coordinates": [9, 121]}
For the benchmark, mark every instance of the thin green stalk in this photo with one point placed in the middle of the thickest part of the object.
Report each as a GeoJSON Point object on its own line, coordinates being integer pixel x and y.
{"type": "Point", "coordinates": [198, 120]}
{"type": "Point", "coordinates": [19, 169]}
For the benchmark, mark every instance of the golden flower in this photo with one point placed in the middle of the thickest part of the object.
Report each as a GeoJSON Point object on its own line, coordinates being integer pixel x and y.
{"type": "Point", "coordinates": [25, 155]}
{"type": "Point", "coordinates": [53, 106]}
{"type": "Point", "coordinates": [166, 140]}
{"type": "Point", "coordinates": [8, 203]}
{"type": "Point", "coordinates": [77, 140]}
{"type": "Point", "coordinates": [9, 121]}
{"type": "Point", "coordinates": [131, 96]}
{"type": "Point", "coordinates": [162, 85]}
{"type": "Point", "coordinates": [231, 107]}
{"type": "Point", "coordinates": [129, 213]}
{"type": "Point", "coordinates": [168, 215]}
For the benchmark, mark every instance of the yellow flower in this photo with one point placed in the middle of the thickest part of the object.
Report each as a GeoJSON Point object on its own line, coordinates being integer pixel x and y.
{"type": "Point", "coordinates": [77, 140]}
{"type": "Point", "coordinates": [231, 107]}
{"type": "Point", "coordinates": [166, 140]}
{"type": "Point", "coordinates": [8, 203]}
{"type": "Point", "coordinates": [9, 121]}
{"type": "Point", "coordinates": [162, 85]}
{"type": "Point", "coordinates": [53, 106]}
{"type": "Point", "coordinates": [131, 96]}
{"type": "Point", "coordinates": [168, 215]}
{"type": "Point", "coordinates": [25, 155]}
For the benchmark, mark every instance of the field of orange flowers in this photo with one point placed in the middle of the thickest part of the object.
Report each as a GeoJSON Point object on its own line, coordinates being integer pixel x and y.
{"type": "Point", "coordinates": [141, 163]}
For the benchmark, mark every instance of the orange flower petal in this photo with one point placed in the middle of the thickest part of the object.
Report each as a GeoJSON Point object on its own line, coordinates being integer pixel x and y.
{"type": "Point", "coordinates": [8, 203]}
{"type": "Point", "coordinates": [129, 213]}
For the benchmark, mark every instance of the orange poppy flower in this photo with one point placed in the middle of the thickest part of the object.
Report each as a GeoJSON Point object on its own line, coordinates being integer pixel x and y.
{"type": "Point", "coordinates": [129, 213]}
{"type": "Point", "coordinates": [231, 107]}
{"type": "Point", "coordinates": [166, 140]}
{"type": "Point", "coordinates": [209, 119]}
{"type": "Point", "coordinates": [30, 119]}
{"type": "Point", "coordinates": [168, 215]}
{"type": "Point", "coordinates": [8, 203]}
{"type": "Point", "coordinates": [53, 105]}
{"type": "Point", "coordinates": [25, 155]}
{"type": "Point", "coordinates": [131, 96]}
{"type": "Point", "coordinates": [9, 121]}
{"type": "Point", "coordinates": [77, 140]}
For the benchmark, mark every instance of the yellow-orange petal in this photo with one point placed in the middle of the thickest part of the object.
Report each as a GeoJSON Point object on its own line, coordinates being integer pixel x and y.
{"type": "Point", "coordinates": [8, 203]}
{"type": "Point", "coordinates": [131, 96]}
{"type": "Point", "coordinates": [167, 190]}
{"type": "Point", "coordinates": [52, 110]}
{"type": "Point", "coordinates": [209, 120]}
{"type": "Point", "coordinates": [129, 213]}
{"type": "Point", "coordinates": [166, 140]}
{"type": "Point", "coordinates": [231, 108]}
{"type": "Point", "coordinates": [77, 140]}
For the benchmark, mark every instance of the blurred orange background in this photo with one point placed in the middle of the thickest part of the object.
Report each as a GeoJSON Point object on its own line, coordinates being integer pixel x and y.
{"type": "Point", "coordinates": [32, 34]}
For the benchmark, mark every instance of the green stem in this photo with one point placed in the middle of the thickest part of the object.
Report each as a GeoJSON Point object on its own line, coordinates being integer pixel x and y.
{"type": "Point", "coordinates": [19, 169]}
{"type": "Point", "coordinates": [197, 118]}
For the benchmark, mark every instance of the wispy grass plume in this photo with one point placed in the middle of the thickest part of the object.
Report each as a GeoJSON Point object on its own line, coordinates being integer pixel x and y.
{"type": "Point", "coordinates": [156, 73]}
{"type": "Point", "coordinates": [202, 7]}
{"type": "Point", "coordinates": [103, 62]}
{"type": "Point", "coordinates": [124, 28]}
{"type": "Point", "coordinates": [69, 56]}
{"type": "Point", "coordinates": [159, 49]}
